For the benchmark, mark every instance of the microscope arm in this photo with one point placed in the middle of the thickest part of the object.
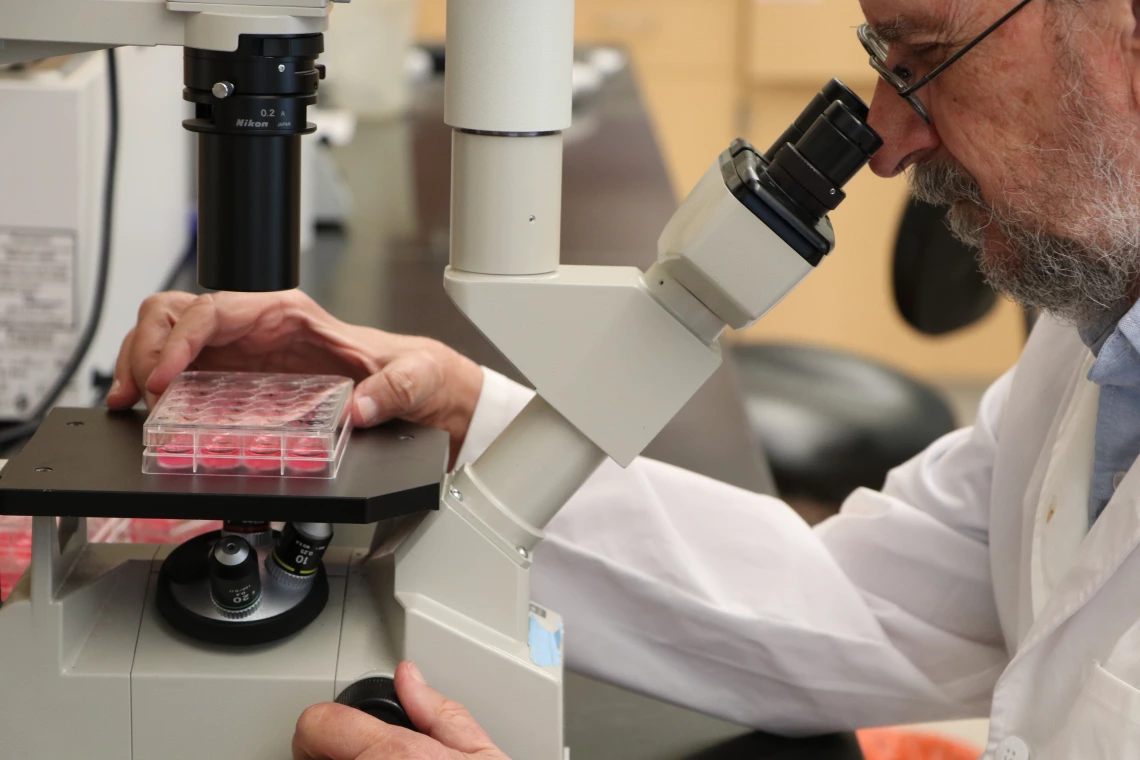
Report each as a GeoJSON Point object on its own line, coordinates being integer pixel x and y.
{"type": "Point", "coordinates": [614, 353]}
{"type": "Point", "coordinates": [44, 28]}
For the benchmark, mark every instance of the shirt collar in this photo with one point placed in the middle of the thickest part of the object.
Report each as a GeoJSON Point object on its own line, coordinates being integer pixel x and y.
{"type": "Point", "coordinates": [1115, 341]}
{"type": "Point", "coordinates": [1095, 335]}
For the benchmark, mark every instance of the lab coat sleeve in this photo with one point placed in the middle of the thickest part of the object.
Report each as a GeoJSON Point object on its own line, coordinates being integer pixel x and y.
{"type": "Point", "coordinates": [726, 602]}
{"type": "Point", "coordinates": [499, 402]}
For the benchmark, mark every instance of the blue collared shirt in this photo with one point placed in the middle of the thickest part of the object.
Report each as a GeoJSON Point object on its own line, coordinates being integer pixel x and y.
{"type": "Point", "coordinates": [1115, 341]}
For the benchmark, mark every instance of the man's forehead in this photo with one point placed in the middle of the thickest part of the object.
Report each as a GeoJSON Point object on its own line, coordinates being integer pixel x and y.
{"type": "Point", "coordinates": [903, 19]}
{"type": "Point", "coordinates": [904, 27]}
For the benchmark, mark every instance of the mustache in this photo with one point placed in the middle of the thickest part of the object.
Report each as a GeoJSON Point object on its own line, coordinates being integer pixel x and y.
{"type": "Point", "coordinates": [944, 183]}
{"type": "Point", "coordinates": [947, 183]}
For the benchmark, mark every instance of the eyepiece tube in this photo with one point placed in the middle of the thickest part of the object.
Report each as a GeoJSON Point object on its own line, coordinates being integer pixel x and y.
{"type": "Point", "coordinates": [838, 144]}
{"type": "Point", "coordinates": [832, 92]}
{"type": "Point", "coordinates": [792, 190]}
{"type": "Point", "coordinates": [813, 170]}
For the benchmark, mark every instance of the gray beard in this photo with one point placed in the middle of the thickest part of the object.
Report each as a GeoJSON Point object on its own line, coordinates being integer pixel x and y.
{"type": "Point", "coordinates": [1070, 244]}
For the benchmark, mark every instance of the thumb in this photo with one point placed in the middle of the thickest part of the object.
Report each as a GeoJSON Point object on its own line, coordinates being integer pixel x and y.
{"type": "Point", "coordinates": [443, 719]}
{"type": "Point", "coordinates": [403, 386]}
{"type": "Point", "coordinates": [336, 732]}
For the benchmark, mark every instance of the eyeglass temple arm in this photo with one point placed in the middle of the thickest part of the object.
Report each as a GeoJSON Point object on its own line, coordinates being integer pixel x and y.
{"type": "Point", "coordinates": [952, 59]}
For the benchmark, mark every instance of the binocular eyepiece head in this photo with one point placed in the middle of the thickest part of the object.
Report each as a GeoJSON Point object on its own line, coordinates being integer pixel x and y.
{"type": "Point", "coordinates": [769, 210]}
{"type": "Point", "coordinates": [823, 149]}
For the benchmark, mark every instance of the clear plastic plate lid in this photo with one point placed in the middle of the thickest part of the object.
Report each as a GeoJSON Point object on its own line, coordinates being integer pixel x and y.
{"type": "Point", "coordinates": [245, 423]}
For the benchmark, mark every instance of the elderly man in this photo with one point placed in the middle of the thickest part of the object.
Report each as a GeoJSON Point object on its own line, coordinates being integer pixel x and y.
{"type": "Point", "coordinates": [995, 574]}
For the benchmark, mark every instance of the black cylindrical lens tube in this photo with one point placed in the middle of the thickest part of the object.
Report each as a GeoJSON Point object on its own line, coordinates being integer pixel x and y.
{"type": "Point", "coordinates": [832, 92]}
{"type": "Point", "coordinates": [297, 554]}
{"type": "Point", "coordinates": [235, 576]}
{"type": "Point", "coordinates": [250, 108]}
{"type": "Point", "coordinates": [838, 145]}
{"type": "Point", "coordinates": [813, 170]}
{"type": "Point", "coordinates": [249, 211]}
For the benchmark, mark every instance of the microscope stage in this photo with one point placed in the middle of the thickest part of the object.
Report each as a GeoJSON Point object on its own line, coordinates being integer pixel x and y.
{"type": "Point", "coordinates": [86, 463]}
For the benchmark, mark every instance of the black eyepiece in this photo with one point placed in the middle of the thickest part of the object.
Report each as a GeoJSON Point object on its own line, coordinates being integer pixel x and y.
{"type": "Point", "coordinates": [813, 170]}
{"type": "Point", "coordinates": [833, 91]}
{"type": "Point", "coordinates": [838, 144]}
{"type": "Point", "coordinates": [250, 109]}
{"type": "Point", "coordinates": [792, 188]}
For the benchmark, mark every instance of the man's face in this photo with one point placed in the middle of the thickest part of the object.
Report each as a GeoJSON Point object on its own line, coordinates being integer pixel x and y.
{"type": "Point", "coordinates": [1033, 141]}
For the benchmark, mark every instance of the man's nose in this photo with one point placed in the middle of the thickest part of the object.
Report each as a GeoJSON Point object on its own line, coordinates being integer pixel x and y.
{"type": "Point", "coordinates": [907, 139]}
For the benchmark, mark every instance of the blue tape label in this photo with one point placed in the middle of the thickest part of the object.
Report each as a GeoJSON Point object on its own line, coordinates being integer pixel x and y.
{"type": "Point", "coordinates": [545, 645]}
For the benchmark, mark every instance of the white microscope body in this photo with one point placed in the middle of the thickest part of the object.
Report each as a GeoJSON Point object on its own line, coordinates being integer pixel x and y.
{"type": "Point", "coordinates": [87, 669]}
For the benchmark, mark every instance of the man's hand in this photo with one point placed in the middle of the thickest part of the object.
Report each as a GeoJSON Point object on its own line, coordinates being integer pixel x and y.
{"type": "Point", "coordinates": [397, 376]}
{"type": "Point", "coordinates": [336, 732]}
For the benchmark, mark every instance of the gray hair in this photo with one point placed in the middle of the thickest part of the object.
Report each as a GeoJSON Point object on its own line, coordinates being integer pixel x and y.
{"type": "Point", "coordinates": [1069, 242]}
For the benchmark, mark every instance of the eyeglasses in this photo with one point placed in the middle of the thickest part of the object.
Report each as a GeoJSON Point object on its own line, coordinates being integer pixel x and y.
{"type": "Point", "coordinates": [900, 75]}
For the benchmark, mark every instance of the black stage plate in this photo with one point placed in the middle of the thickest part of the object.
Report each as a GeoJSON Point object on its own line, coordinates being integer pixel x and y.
{"type": "Point", "coordinates": [94, 469]}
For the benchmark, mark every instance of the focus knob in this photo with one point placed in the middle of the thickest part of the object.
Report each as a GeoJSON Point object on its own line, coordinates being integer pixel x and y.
{"type": "Point", "coordinates": [377, 697]}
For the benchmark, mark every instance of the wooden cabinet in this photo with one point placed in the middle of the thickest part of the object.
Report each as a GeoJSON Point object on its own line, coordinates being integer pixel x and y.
{"type": "Point", "coordinates": [431, 20]}
{"type": "Point", "coordinates": [687, 70]}
{"type": "Point", "coordinates": [694, 118]}
{"type": "Point", "coordinates": [804, 42]}
{"type": "Point", "coordinates": [665, 36]}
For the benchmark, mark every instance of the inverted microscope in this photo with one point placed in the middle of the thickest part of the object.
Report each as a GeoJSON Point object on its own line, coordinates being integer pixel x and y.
{"type": "Point", "coordinates": [214, 647]}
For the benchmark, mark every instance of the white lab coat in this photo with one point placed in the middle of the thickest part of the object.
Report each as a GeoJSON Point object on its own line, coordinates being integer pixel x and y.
{"type": "Point", "coordinates": [913, 604]}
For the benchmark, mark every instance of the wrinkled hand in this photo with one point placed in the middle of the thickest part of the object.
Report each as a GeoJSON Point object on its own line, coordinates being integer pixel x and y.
{"type": "Point", "coordinates": [336, 732]}
{"type": "Point", "coordinates": [398, 376]}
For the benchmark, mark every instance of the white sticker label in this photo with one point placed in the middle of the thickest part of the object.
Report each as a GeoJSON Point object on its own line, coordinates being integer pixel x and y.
{"type": "Point", "coordinates": [37, 278]}
{"type": "Point", "coordinates": [37, 314]}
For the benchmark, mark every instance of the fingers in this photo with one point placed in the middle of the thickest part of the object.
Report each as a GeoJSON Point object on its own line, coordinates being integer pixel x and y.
{"type": "Point", "coordinates": [140, 348]}
{"type": "Point", "coordinates": [124, 393]}
{"type": "Point", "coordinates": [221, 319]}
{"type": "Point", "coordinates": [404, 385]}
{"type": "Point", "coordinates": [190, 334]}
{"type": "Point", "coordinates": [443, 719]}
{"type": "Point", "coordinates": [336, 732]}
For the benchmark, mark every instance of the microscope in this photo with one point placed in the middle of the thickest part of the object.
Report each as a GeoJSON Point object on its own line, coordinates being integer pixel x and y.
{"type": "Point", "coordinates": [114, 650]}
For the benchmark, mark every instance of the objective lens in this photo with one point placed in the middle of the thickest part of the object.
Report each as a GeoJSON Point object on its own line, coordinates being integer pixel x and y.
{"type": "Point", "coordinates": [250, 113]}
{"type": "Point", "coordinates": [249, 210]}
{"type": "Point", "coordinates": [235, 577]}
{"type": "Point", "coordinates": [298, 552]}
